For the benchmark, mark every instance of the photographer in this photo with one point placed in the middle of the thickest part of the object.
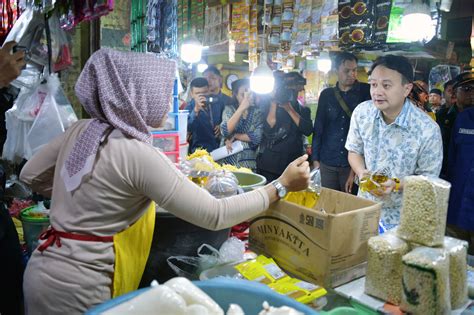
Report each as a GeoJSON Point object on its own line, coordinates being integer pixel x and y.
{"type": "Point", "coordinates": [242, 121]}
{"type": "Point", "coordinates": [285, 125]}
{"type": "Point", "coordinates": [205, 116]}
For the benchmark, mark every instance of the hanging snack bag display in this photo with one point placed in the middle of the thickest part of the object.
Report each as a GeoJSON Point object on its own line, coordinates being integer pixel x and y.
{"type": "Point", "coordinates": [362, 22]}
{"type": "Point", "coordinates": [345, 20]}
{"type": "Point", "coordinates": [382, 18]}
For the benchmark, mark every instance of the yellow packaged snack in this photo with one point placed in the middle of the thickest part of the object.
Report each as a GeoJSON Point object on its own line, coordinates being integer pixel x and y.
{"type": "Point", "coordinates": [252, 270]}
{"type": "Point", "coordinates": [262, 269]}
{"type": "Point", "coordinates": [301, 291]}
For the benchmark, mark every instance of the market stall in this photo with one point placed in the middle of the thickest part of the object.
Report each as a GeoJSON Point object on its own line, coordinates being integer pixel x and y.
{"type": "Point", "coordinates": [314, 251]}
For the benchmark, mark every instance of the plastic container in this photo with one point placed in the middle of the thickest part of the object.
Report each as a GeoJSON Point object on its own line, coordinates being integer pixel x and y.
{"type": "Point", "coordinates": [183, 125]}
{"type": "Point", "coordinates": [249, 295]}
{"type": "Point", "coordinates": [32, 228]}
{"type": "Point", "coordinates": [173, 156]}
{"type": "Point", "coordinates": [167, 142]}
{"type": "Point", "coordinates": [183, 151]}
{"type": "Point", "coordinates": [249, 181]}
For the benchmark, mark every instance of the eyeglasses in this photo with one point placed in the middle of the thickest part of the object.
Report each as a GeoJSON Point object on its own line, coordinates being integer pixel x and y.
{"type": "Point", "coordinates": [466, 88]}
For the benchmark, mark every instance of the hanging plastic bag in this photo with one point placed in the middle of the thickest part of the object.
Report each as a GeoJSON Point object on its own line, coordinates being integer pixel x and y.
{"type": "Point", "coordinates": [49, 122]}
{"type": "Point", "coordinates": [18, 121]}
{"type": "Point", "coordinates": [191, 267]}
{"type": "Point", "coordinates": [60, 47]}
{"type": "Point", "coordinates": [29, 33]}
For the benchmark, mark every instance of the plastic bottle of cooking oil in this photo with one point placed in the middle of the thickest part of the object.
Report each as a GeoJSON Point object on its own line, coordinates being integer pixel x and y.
{"type": "Point", "coordinates": [374, 181]}
{"type": "Point", "coordinates": [309, 197]}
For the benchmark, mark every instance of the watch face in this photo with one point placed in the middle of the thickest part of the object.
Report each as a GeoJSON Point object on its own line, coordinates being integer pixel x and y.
{"type": "Point", "coordinates": [282, 192]}
{"type": "Point", "coordinates": [230, 79]}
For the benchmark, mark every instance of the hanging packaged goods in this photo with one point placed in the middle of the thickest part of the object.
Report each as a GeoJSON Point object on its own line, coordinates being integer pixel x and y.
{"type": "Point", "coordinates": [9, 15]}
{"type": "Point", "coordinates": [216, 24]}
{"type": "Point", "coordinates": [241, 21]}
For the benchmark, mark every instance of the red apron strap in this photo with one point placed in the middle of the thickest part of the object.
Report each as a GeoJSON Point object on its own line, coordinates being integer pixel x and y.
{"type": "Point", "coordinates": [54, 236]}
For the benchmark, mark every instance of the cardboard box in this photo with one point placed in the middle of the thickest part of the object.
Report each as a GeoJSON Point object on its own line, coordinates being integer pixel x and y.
{"type": "Point", "coordinates": [327, 247]}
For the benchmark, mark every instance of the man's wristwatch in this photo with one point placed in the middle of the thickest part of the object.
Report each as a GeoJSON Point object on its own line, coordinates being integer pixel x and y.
{"type": "Point", "coordinates": [281, 190]}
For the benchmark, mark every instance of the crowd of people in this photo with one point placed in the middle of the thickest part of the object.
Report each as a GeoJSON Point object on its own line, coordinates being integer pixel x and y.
{"type": "Point", "coordinates": [393, 123]}
{"type": "Point", "coordinates": [104, 176]}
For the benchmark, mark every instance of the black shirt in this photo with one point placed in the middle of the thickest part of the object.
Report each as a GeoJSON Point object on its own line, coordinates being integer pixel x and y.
{"type": "Point", "coordinates": [283, 142]}
{"type": "Point", "coordinates": [332, 124]}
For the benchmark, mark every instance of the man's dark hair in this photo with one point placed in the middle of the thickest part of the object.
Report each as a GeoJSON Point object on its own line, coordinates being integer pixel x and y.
{"type": "Point", "coordinates": [212, 69]}
{"type": "Point", "coordinates": [342, 57]}
{"type": "Point", "coordinates": [199, 83]}
{"type": "Point", "coordinates": [397, 63]}
{"type": "Point", "coordinates": [448, 83]}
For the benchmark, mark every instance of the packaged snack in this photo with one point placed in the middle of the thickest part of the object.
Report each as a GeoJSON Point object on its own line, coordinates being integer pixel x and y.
{"type": "Point", "coordinates": [425, 282]}
{"type": "Point", "coordinates": [457, 251]}
{"type": "Point", "coordinates": [384, 267]}
{"type": "Point", "coordinates": [362, 22]}
{"type": "Point", "coordinates": [382, 18]}
{"type": "Point", "coordinates": [262, 269]}
{"type": "Point", "coordinates": [302, 291]}
{"type": "Point", "coordinates": [424, 210]}
{"type": "Point", "coordinates": [345, 18]}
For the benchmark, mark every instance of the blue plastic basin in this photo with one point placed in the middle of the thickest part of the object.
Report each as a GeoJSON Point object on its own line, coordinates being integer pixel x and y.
{"type": "Point", "coordinates": [247, 294]}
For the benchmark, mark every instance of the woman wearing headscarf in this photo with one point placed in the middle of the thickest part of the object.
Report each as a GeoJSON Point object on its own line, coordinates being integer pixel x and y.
{"type": "Point", "coordinates": [242, 121]}
{"type": "Point", "coordinates": [104, 177]}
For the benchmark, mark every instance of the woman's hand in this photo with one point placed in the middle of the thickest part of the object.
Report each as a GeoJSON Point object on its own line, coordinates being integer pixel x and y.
{"type": "Point", "coordinates": [245, 104]}
{"type": "Point", "coordinates": [296, 175]}
{"type": "Point", "coordinates": [228, 144]}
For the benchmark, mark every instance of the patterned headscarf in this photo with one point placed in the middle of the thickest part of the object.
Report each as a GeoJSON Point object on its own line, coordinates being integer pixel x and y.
{"type": "Point", "coordinates": [119, 90]}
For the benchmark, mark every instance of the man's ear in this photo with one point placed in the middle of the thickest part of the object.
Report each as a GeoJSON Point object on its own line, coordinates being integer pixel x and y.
{"type": "Point", "coordinates": [408, 88]}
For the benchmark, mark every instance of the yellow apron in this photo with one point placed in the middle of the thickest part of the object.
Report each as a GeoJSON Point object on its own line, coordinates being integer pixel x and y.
{"type": "Point", "coordinates": [132, 247]}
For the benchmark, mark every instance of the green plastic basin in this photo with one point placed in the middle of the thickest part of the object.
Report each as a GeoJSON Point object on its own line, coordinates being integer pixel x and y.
{"type": "Point", "coordinates": [249, 181]}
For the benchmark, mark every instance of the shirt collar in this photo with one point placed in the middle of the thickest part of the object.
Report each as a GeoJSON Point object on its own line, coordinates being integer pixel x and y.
{"type": "Point", "coordinates": [354, 88]}
{"type": "Point", "coordinates": [402, 118]}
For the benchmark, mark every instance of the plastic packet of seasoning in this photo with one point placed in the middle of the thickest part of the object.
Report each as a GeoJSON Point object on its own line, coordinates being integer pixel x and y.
{"type": "Point", "coordinates": [362, 22]}
{"type": "Point", "coordinates": [261, 269]}
{"type": "Point", "coordinates": [382, 19]}
{"type": "Point", "coordinates": [345, 20]}
{"type": "Point", "coordinates": [302, 291]}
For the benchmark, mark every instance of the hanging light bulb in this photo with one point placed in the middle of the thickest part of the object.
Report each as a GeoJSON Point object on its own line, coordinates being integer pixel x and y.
{"type": "Point", "coordinates": [324, 62]}
{"type": "Point", "coordinates": [191, 50]}
{"type": "Point", "coordinates": [262, 80]}
{"type": "Point", "coordinates": [416, 22]}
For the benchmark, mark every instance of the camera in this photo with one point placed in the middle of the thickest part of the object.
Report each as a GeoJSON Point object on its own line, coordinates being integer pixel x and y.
{"type": "Point", "coordinates": [211, 99]}
{"type": "Point", "coordinates": [287, 86]}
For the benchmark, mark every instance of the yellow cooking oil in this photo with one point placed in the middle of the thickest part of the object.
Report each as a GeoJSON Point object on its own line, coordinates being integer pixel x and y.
{"type": "Point", "coordinates": [372, 182]}
{"type": "Point", "coordinates": [307, 198]}
{"type": "Point", "coordinates": [200, 181]}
